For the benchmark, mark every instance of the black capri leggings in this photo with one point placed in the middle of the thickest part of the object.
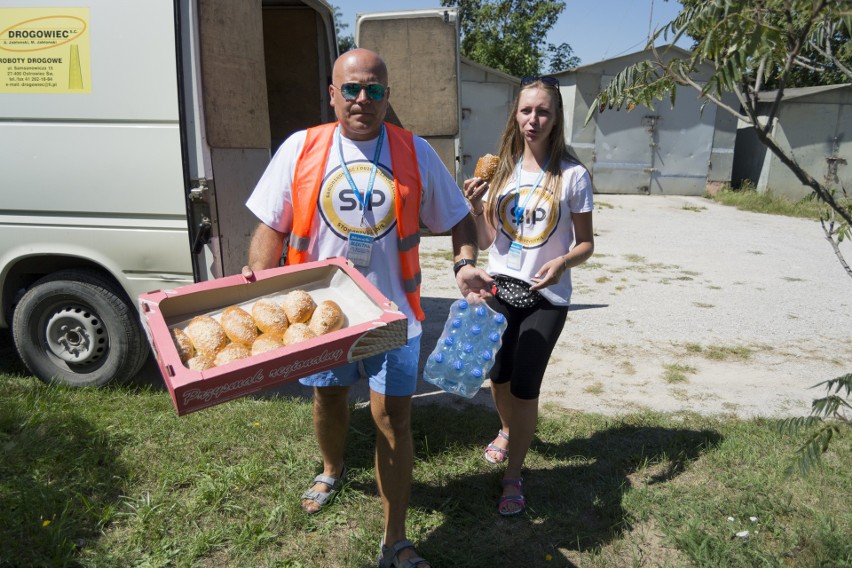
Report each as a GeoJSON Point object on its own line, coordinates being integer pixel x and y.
{"type": "Point", "coordinates": [528, 342]}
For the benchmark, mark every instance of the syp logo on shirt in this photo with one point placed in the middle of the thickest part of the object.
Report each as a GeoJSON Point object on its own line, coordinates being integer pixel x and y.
{"type": "Point", "coordinates": [341, 208]}
{"type": "Point", "coordinates": [536, 225]}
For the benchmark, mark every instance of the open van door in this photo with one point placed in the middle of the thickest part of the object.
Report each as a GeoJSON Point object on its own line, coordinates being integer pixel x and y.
{"type": "Point", "coordinates": [421, 50]}
{"type": "Point", "coordinates": [256, 73]}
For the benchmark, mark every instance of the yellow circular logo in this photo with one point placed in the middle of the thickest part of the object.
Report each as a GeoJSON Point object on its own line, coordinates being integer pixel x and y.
{"type": "Point", "coordinates": [37, 34]}
{"type": "Point", "coordinates": [537, 223]}
{"type": "Point", "coordinates": [340, 205]}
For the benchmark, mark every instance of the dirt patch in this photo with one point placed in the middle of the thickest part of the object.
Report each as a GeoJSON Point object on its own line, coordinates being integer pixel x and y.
{"type": "Point", "coordinates": [752, 309]}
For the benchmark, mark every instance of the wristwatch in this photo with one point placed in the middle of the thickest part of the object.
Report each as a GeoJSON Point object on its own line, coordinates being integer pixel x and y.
{"type": "Point", "coordinates": [463, 262]}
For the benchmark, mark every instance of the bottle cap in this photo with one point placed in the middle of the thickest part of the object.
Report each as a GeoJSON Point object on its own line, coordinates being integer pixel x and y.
{"type": "Point", "coordinates": [476, 329]}
{"type": "Point", "coordinates": [499, 318]}
{"type": "Point", "coordinates": [494, 336]}
{"type": "Point", "coordinates": [467, 347]}
{"type": "Point", "coordinates": [456, 323]}
{"type": "Point", "coordinates": [462, 304]}
{"type": "Point", "coordinates": [449, 340]}
{"type": "Point", "coordinates": [458, 365]}
{"type": "Point", "coordinates": [481, 311]}
{"type": "Point", "coordinates": [438, 357]}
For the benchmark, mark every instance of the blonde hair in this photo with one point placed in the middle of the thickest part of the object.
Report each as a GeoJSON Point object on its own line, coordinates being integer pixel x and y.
{"type": "Point", "coordinates": [512, 148]}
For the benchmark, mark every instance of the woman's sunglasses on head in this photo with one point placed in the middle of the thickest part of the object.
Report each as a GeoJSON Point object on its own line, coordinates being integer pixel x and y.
{"type": "Point", "coordinates": [350, 91]}
{"type": "Point", "coordinates": [546, 80]}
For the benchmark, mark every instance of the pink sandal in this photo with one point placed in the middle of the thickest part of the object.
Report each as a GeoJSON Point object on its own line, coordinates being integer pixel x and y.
{"type": "Point", "coordinates": [518, 499]}
{"type": "Point", "coordinates": [492, 447]}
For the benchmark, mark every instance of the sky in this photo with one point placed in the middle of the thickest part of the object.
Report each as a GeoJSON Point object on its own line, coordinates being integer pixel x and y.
{"type": "Point", "coordinates": [595, 29]}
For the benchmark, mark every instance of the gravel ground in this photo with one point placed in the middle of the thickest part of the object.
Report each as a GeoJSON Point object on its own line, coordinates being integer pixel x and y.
{"type": "Point", "coordinates": [686, 305]}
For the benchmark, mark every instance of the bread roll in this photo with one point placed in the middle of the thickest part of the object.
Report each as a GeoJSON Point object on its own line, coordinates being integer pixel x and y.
{"type": "Point", "coordinates": [486, 167]}
{"type": "Point", "coordinates": [298, 305]}
{"type": "Point", "coordinates": [231, 352]}
{"type": "Point", "coordinates": [206, 334]}
{"type": "Point", "coordinates": [184, 346]}
{"type": "Point", "coordinates": [327, 317]}
{"type": "Point", "coordinates": [200, 362]}
{"type": "Point", "coordinates": [297, 332]}
{"type": "Point", "coordinates": [264, 343]}
{"type": "Point", "coordinates": [239, 325]}
{"type": "Point", "coordinates": [269, 317]}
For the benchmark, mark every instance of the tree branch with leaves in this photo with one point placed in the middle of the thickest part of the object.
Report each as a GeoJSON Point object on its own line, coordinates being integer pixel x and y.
{"type": "Point", "coordinates": [744, 47]}
{"type": "Point", "coordinates": [748, 45]}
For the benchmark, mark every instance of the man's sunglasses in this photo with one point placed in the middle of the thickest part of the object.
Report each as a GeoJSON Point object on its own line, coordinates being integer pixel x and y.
{"type": "Point", "coordinates": [546, 79]}
{"type": "Point", "coordinates": [350, 91]}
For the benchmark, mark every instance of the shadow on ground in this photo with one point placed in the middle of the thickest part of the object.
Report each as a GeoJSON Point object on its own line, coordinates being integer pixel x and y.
{"type": "Point", "coordinates": [575, 506]}
{"type": "Point", "coordinates": [42, 518]}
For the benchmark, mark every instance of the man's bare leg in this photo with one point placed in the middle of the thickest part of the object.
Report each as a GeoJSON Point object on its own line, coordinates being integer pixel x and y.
{"type": "Point", "coordinates": [331, 424]}
{"type": "Point", "coordinates": [394, 463]}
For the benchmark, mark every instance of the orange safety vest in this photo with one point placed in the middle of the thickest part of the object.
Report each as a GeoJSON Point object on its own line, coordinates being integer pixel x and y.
{"type": "Point", "coordinates": [310, 168]}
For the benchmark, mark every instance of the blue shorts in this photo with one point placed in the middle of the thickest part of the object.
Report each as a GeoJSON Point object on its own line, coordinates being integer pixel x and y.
{"type": "Point", "coordinates": [393, 373]}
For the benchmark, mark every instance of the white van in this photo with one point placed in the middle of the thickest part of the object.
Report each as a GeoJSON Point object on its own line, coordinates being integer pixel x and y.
{"type": "Point", "coordinates": [131, 134]}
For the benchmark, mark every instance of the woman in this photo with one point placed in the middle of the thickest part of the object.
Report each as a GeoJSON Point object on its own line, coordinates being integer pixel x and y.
{"type": "Point", "coordinates": [537, 204]}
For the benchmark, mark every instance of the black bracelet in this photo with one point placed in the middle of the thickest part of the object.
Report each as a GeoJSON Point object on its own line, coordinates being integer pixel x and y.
{"type": "Point", "coordinates": [463, 262]}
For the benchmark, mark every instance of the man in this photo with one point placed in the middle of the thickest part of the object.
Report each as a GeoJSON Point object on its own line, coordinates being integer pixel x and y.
{"type": "Point", "coordinates": [360, 188]}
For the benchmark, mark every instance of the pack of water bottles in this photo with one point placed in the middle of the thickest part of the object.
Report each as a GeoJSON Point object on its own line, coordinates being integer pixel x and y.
{"type": "Point", "coordinates": [465, 351]}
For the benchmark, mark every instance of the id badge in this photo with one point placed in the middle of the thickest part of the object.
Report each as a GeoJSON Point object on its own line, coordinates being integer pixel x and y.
{"type": "Point", "coordinates": [360, 249]}
{"type": "Point", "coordinates": [515, 252]}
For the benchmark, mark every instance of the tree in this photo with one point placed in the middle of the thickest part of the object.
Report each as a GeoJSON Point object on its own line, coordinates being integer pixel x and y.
{"type": "Point", "coordinates": [562, 57]}
{"type": "Point", "coordinates": [747, 45]}
{"type": "Point", "coordinates": [344, 42]}
{"type": "Point", "coordinates": [509, 35]}
{"type": "Point", "coordinates": [751, 46]}
{"type": "Point", "coordinates": [811, 67]}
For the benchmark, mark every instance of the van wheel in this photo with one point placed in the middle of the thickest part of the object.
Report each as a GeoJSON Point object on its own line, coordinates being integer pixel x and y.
{"type": "Point", "coordinates": [76, 327]}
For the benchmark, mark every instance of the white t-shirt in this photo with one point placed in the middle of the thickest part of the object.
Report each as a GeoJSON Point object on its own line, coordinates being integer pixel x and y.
{"type": "Point", "coordinates": [546, 234]}
{"type": "Point", "coordinates": [442, 205]}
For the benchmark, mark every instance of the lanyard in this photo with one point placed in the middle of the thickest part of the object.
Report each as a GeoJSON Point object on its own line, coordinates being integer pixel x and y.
{"type": "Point", "coordinates": [519, 211]}
{"type": "Point", "coordinates": [366, 201]}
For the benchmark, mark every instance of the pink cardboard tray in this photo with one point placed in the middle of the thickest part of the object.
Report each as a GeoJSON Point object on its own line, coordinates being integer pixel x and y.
{"type": "Point", "coordinates": [373, 325]}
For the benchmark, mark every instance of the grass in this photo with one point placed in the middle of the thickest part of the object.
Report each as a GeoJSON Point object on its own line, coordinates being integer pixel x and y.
{"type": "Point", "coordinates": [748, 199]}
{"type": "Point", "coordinates": [677, 373]}
{"type": "Point", "coordinates": [113, 477]}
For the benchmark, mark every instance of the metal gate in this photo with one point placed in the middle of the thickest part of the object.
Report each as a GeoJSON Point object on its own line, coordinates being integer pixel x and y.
{"type": "Point", "coordinates": [624, 143]}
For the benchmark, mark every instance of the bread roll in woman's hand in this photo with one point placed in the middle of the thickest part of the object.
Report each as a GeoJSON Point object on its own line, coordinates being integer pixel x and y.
{"type": "Point", "coordinates": [486, 167]}
{"type": "Point", "coordinates": [327, 317]}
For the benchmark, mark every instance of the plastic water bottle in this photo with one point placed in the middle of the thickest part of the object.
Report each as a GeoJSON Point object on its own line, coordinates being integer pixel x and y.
{"type": "Point", "coordinates": [459, 308]}
{"type": "Point", "coordinates": [471, 337]}
{"type": "Point", "coordinates": [435, 365]}
{"type": "Point", "coordinates": [456, 324]}
{"type": "Point", "coordinates": [472, 382]}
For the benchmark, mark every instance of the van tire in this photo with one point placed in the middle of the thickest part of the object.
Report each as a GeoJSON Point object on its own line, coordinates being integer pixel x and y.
{"type": "Point", "coordinates": [78, 328]}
